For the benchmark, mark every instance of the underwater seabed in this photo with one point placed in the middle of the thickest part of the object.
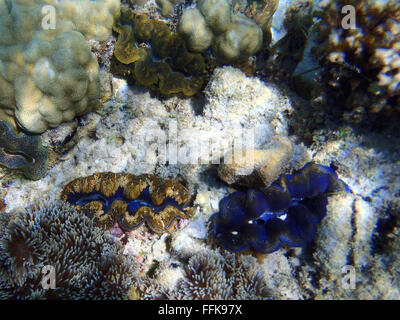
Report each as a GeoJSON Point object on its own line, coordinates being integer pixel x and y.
{"type": "Point", "coordinates": [137, 204]}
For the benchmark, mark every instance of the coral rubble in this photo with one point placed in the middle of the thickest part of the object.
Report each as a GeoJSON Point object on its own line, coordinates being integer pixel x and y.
{"type": "Point", "coordinates": [23, 152]}
{"type": "Point", "coordinates": [131, 200]}
{"type": "Point", "coordinates": [284, 212]}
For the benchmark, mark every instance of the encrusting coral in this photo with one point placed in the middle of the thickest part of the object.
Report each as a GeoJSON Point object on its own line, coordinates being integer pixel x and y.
{"type": "Point", "coordinates": [156, 56]}
{"type": "Point", "coordinates": [131, 200]}
{"type": "Point", "coordinates": [88, 263]}
{"type": "Point", "coordinates": [23, 152]}
{"type": "Point", "coordinates": [48, 74]}
{"type": "Point", "coordinates": [210, 275]}
{"type": "Point", "coordinates": [288, 211]}
{"type": "Point", "coordinates": [361, 62]}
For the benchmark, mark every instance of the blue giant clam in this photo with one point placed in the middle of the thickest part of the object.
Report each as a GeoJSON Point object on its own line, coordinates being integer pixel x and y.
{"type": "Point", "coordinates": [288, 211]}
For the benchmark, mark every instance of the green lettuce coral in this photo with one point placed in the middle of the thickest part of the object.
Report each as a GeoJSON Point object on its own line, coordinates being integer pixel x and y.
{"type": "Point", "coordinates": [22, 151]}
{"type": "Point", "coordinates": [157, 57]}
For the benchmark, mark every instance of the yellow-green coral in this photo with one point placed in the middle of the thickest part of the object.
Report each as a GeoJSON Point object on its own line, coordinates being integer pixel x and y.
{"type": "Point", "coordinates": [156, 56]}
{"type": "Point", "coordinates": [22, 151]}
{"type": "Point", "coordinates": [48, 75]}
{"type": "Point", "coordinates": [232, 35]}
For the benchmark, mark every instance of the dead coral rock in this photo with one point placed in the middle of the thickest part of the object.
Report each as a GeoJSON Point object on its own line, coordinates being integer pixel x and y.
{"type": "Point", "coordinates": [253, 167]}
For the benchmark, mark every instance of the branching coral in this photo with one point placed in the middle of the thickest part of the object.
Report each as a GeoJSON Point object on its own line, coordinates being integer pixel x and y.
{"type": "Point", "coordinates": [284, 212]}
{"type": "Point", "coordinates": [88, 263]}
{"type": "Point", "coordinates": [361, 64]}
{"type": "Point", "coordinates": [131, 200]}
{"type": "Point", "coordinates": [211, 275]}
{"type": "Point", "coordinates": [23, 152]}
{"type": "Point", "coordinates": [156, 56]}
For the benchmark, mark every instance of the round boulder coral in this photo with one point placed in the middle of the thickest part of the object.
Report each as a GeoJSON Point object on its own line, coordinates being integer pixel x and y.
{"type": "Point", "coordinates": [60, 84]}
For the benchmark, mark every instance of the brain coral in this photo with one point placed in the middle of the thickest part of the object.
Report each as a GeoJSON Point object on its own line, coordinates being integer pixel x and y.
{"type": "Point", "coordinates": [49, 75]}
{"type": "Point", "coordinates": [131, 200]}
{"type": "Point", "coordinates": [361, 64]}
{"type": "Point", "coordinates": [156, 56]}
{"type": "Point", "coordinates": [88, 263]}
{"type": "Point", "coordinates": [285, 212]}
{"type": "Point", "coordinates": [23, 152]}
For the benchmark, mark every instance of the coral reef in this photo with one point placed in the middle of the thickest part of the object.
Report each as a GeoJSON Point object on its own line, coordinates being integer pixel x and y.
{"type": "Point", "coordinates": [23, 152]}
{"type": "Point", "coordinates": [210, 275]}
{"type": "Point", "coordinates": [281, 213]}
{"type": "Point", "coordinates": [233, 36]}
{"type": "Point", "coordinates": [361, 64]}
{"type": "Point", "coordinates": [166, 64]}
{"type": "Point", "coordinates": [131, 200]}
{"type": "Point", "coordinates": [88, 263]}
{"type": "Point", "coordinates": [122, 135]}
{"type": "Point", "coordinates": [48, 73]}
